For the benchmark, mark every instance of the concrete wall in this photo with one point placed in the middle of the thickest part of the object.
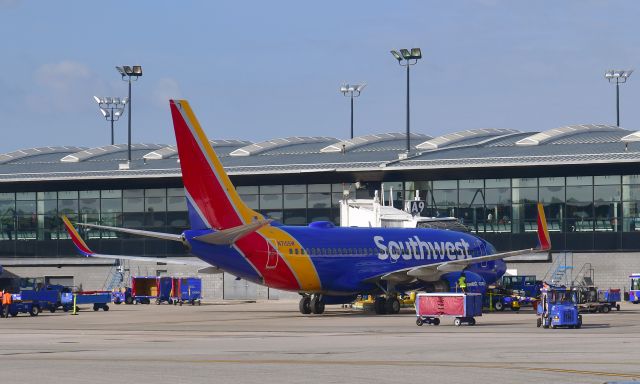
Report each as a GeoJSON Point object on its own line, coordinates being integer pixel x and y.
{"type": "Point", "coordinates": [612, 270]}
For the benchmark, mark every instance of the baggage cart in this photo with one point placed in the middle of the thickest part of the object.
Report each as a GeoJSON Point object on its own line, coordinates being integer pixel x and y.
{"type": "Point", "coordinates": [166, 289]}
{"type": "Point", "coordinates": [190, 290]}
{"type": "Point", "coordinates": [463, 307]}
{"type": "Point", "coordinates": [610, 297]}
{"type": "Point", "coordinates": [97, 299]}
{"type": "Point", "coordinates": [144, 289]}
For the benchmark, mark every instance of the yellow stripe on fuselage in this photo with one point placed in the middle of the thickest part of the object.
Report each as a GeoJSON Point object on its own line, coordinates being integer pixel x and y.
{"type": "Point", "coordinates": [246, 214]}
{"type": "Point", "coordinates": [301, 265]}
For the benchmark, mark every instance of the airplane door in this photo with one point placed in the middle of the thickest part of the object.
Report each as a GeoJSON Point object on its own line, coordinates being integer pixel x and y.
{"type": "Point", "coordinates": [272, 254]}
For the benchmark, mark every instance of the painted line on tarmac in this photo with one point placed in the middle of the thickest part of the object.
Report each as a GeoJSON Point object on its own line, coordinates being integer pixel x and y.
{"type": "Point", "coordinates": [397, 363]}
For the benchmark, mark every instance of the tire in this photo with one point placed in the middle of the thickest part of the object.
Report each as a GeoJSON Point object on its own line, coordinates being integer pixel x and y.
{"type": "Point", "coordinates": [419, 322]}
{"type": "Point", "coordinates": [52, 309]}
{"type": "Point", "coordinates": [181, 303]}
{"type": "Point", "coordinates": [392, 306]}
{"type": "Point", "coordinates": [158, 301]}
{"type": "Point", "coordinates": [436, 321]}
{"type": "Point", "coordinates": [380, 305]}
{"type": "Point", "coordinates": [305, 305]}
{"type": "Point", "coordinates": [117, 302]}
{"type": "Point", "coordinates": [105, 308]}
{"type": "Point", "coordinates": [457, 322]}
{"type": "Point", "coordinates": [34, 311]}
{"type": "Point", "coordinates": [65, 308]}
{"type": "Point", "coordinates": [128, 300]}
{"type": "Point", "coordinates": [199, 303]}
{"type": "Point", "coordinates": [539, 322]}
{"type": "Point", "coordinates": [472, 321]}
{"type": "Point", "coordinates": [317, 305]}
{"type": "Point", "coordinates": [553, 326]}
{"type": "Point", "coordinates": [193, 302]}
{"type": "Point", "coordinates": [499, 306]}
{"type": "Point", "coordinates": [95, 307]}
{"type": "Point", "coordinates": [170, 301]}
{"type": "Point", "coordinates": [617, 307]}
{"type": "Point", "coordinates": [606, 309]}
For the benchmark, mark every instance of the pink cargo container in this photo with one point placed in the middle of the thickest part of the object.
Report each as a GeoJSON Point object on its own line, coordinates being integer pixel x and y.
{"type": "Point", "coordinates": [430, 307]}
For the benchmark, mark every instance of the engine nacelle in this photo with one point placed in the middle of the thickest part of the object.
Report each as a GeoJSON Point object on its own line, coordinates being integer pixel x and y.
{"type": "Point", "coordinates": [475, 282]}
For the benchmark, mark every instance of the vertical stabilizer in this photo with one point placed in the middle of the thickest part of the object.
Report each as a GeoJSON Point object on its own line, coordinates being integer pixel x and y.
{"type": "Point", "coordinates": [212, 200]}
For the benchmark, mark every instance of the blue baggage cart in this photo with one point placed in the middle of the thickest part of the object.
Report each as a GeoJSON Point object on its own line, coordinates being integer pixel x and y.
{"type": "Point", "coordinates": [166, 289]}
{"type": "Point", "coordinates": [190, 289]}
{"type": "Point", "coordinates": [98, 300]}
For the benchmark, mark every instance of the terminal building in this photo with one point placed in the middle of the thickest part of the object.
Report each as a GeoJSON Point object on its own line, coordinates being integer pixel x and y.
{"type": "Point", "coordinates": [587, 177]}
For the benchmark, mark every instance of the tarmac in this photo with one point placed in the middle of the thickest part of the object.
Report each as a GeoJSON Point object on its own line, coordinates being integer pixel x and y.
{"type": "Point", "coordinates": [270, 342]}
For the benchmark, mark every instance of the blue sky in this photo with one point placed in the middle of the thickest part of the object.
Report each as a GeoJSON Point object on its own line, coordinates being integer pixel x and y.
{"type": "Point", "coordinates": [255, 70]}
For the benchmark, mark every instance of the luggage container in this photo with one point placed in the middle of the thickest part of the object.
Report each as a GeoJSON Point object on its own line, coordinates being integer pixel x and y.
{"type": "Point", "coordinates": [166, 289]}
{"type": "Point", "coordinates": [190, 290]}
{"type": "Point", "coordinates": [431, 307]}
{"type": "Point", "coordinates": [612, 297]}
{"type": "Point", "coordinates": [144, 289]}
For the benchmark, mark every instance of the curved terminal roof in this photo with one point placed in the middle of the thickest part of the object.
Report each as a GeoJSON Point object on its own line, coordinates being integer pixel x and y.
{"type": "Point", "coordinates": [463, 136]}
{"type": "Point", "coordinates": [172, 150]}
{"type": "Point", "coordinates": [556, 133]}
{"type": "Point", "coordinates": [25, 154]}
{"type": "Point", "coordinates": [92, 153]}
{"type": "Point", "coordinates": [270, 145]}
{"type": "Point", "coordinates": [361, 141]}
{"type": "Point", "coordinates": [584, 146]}
{"type": "Point", "coordinates": [635, 136]}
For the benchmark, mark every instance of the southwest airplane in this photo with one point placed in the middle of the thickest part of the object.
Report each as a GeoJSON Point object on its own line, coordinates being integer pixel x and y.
{"type": "Point", "coordinates": [324, 263]}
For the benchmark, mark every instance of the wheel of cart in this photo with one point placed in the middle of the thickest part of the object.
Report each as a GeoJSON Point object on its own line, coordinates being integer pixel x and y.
{"type": "Point", "coordinates": [427, 320]}
{"type": "Point", "coordinates": [34, 310]}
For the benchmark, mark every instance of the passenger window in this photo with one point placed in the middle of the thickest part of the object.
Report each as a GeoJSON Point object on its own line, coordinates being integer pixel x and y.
{"type": "Point", "coordinates": [290, 251]}
{"type": "Point", "coordinates": [296, 251]}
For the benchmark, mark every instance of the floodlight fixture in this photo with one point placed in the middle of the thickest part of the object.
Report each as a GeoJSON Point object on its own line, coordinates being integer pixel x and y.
{"type": "Point", "coordinates": [111, 109]}
{"type": "Point", "coordinates": [351, 91]}
{"type": "Point", "coordinates": [407, 59]}
{"type": "Point", "coordinates": [617, 77]}
{"type": "Point", "coordinates": [128, 74]}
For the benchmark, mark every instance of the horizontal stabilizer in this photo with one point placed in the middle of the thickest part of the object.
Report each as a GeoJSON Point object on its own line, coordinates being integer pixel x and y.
{"type": "Point", "coordinates": [231, 235]}
{"type": "Point", "coordinates": [137, 232]}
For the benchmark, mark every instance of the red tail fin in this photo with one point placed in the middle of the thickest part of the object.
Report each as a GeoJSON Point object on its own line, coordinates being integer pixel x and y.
{"type": "Point", "coordinates": [543, 231]}
{"type": "Point", "coordinates": [207, 185]}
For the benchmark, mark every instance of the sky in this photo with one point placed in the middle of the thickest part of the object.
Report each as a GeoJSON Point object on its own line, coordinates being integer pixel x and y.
{"type": "Point", "coordinates": [257, 70]}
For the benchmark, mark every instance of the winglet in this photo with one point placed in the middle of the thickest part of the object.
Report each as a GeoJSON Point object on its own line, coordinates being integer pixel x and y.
{"type": "Point", "coordinates": [543, 231]}
{"type": "Point", "coordinates": [75, 237]}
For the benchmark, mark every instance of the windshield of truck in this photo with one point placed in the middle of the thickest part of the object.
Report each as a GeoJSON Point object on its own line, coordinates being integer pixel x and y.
{"type": "Point", "coordinates": [563, 297]}
{"type": "Point", "coordinates": [635, 284]}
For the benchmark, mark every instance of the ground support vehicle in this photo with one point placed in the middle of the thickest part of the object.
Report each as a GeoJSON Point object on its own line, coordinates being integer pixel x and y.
{"type": "Point", "coordinates": [190, 291]}
{"type": "Point", "coordinates": [526, 284]}
{"type": "Point", "coordinates": [98, 300]}
{"type": "Point", "coordinates": [463, 307]}
{"type": "Point", "coordinates": [590, 300]}
{"type": "Point", "coordinates": [500, 299]}
{"type": "Point", "coordinates": [119, 296]}
{"type": "Point", "coordinates": [634, 292]}
{"type": "Point", "coordinates": [610, 297]}
{"type": "Point", "coordinates": [144, 289]}
{"type": "Point", "coordinates": [21, 305]}
{"type": "Point", "coordinates": [558, 307]}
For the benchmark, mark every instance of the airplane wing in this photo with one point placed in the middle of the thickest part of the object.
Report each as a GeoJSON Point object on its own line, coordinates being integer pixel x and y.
{"type": "Point", "coordinates": [435, 270]}
{"type": "Point", "coordinates": [87, 252]}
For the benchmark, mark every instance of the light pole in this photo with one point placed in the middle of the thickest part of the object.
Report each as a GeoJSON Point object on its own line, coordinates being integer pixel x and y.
{"type": "Point", "coordinates": [619, 77]}
{"type": "Point", "coordinates": [111, 108]}
{"type": "Point", "coordinates": [352, 91]}
{"type": "Point", "coordinates": [129, 73]}
{"type": "Point", "coordinates": [408, 58]}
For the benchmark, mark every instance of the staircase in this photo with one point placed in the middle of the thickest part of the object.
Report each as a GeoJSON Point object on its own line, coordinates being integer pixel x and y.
{"type": "Point", "coordinates": [561, 270]}
{"type": "Point", "coordinates": [585, 276]}
{"type": "Point", "coordinates": [115, 278]}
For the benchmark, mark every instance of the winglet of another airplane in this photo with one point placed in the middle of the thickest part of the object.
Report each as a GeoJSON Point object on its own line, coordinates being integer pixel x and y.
{"type": "Point", "coordinates": [75, 237]}
{"type": "Point", "coordinates": [543, 230]}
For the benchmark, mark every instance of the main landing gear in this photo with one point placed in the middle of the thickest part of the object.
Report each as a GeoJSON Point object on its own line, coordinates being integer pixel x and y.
{"type": "Point", "coordinates": [311, 304]}
{"type": "Point", "coordinates": [386, 305]}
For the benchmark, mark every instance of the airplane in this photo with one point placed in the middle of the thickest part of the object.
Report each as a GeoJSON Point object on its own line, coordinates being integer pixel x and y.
{"type": "Point", "coordinates": [325, 264]}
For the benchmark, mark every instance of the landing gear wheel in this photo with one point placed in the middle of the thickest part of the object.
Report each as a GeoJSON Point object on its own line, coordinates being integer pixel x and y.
{"type": "Point", "coordinates": [317, 305]}
{"type": "Point", "coordinates": [499, 306]}
{"type": "Point", "coordinates": [435, 321]}
{"type": "Point", "coordinates": [539, 323]}
{"type": "Point", "coordinates": [305, 305]}
{"type": "Point", "coordinates": [457, 322]}
{"type": "Point", "coordinates": [392, 305]}
{"type": "Point", "coordinates": [380, 305]}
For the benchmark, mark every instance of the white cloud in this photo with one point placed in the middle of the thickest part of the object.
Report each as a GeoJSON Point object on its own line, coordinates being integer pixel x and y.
{"type": "Point", "coordinates": [165, 89]}
{"type": "Point", "coordinates": [62, 86]}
